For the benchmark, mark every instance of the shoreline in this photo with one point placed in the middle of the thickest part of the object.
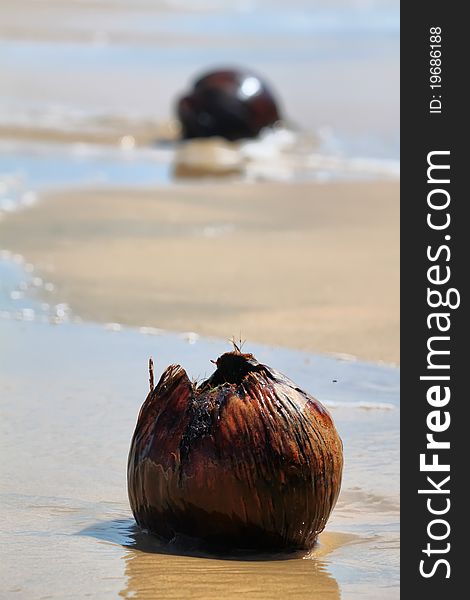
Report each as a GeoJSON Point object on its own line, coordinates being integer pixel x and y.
{"type": "Point", "coordinates": [123, 243]}
{"type": "Point", "coordinates": [119, 256]}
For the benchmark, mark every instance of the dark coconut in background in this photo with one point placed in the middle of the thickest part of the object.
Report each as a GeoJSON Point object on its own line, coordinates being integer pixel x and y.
{"type": "Point", "coordinates": [230, 103]}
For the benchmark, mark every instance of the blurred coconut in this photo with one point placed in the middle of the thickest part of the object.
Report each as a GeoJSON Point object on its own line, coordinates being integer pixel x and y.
{"type": "Point", "coordinates": [230, 103]}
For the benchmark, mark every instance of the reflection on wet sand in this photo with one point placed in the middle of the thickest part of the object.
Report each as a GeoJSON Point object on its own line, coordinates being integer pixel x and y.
{"type": "Point", "coordinates": [154, 569]}
{"type": "Point", "coordinates": [186, 577]}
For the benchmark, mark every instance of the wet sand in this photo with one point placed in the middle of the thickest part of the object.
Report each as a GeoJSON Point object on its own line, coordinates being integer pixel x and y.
{"type": "Point", "coordinates": [308, 266]}
{"type": "Point", "coordinates": [70, 397]}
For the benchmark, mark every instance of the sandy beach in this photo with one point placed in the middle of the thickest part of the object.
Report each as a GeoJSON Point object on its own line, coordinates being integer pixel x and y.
{"type": "Point", "coordinates": [313, 267]}
{"type": "Point", "coordinates": [109, 256]}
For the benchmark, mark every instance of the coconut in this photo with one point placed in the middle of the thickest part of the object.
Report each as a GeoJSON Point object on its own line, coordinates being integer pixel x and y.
{"type": "Point", "coordinates": [246, 460]}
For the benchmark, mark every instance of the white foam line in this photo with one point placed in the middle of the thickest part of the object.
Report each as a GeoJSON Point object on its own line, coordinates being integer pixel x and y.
{"type": "Point", "coordinates": [361, 405]}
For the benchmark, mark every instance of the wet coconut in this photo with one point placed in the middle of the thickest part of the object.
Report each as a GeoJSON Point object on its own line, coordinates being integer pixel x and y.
{"type": "Point", "coordinates": [246, 460]}
{"type": "Point", "coordinates": [230, 103]}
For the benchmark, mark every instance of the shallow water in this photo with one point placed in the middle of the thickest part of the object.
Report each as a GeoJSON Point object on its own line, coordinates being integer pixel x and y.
{"type": "Point", "coordinates": [85, 70]}
{"type": "Point", "coordinates": [29, 168]}
{"type": "Point", "coordinates": [70, 395]}
{"type": "Point", "coordinates": [159, 45]}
